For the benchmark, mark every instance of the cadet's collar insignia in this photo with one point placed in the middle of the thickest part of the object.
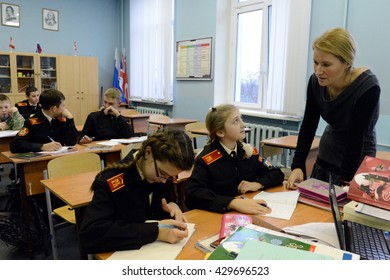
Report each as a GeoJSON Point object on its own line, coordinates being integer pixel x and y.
{"type": "Point", "coordinates": [61, 119]}
{"type": "Point", "coordinates": [34, 121]}
{"type": "Point", "coordinates": [22, 104]}
{"type": "Point", "coordinates": [116, 182]}
{"type": "Point", "coordinates": [211, 157]}
{"type": "Point", "coordinates": [23, 131]}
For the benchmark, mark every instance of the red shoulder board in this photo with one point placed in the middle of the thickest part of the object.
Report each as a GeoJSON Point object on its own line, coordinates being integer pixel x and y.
{"type": "Point", "coordinates": [211, 157]}
{"type": "Point", "coordinates": [61, 119]}
{"type": "Point", "coordinates": [116, 182]}
{"type": "Point", "coordinates": [255, 151]}
{"type": "Point", "coordinates": [34, 121]}
{"type": "Point", "coordinates": [21, 104]}
{"type": "Point", "coordinates": [23, 131]}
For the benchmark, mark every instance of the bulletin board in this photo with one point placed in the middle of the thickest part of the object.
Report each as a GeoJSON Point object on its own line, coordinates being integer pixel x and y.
{"type": "Point", "coordinates": [194, 59]}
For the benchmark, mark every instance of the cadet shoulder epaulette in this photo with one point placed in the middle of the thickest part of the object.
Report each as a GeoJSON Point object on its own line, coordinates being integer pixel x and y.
{"type": "Point", "coordinates": [116, 182]}
{"type": "Point", "coordinates": [23, 131]}
{"type": "Point", "coordinates": [211, 157]}
{"type": "Point", "coordinates": [21, 104]}
{"type": "Point", "coordinates": [255, 151]}
{"type": "Point", "coordinates": [34, 121]}
{"type": "Point", "coordinates": [61, 119]}
{"type": "Point", "coordinates": [266, 163]}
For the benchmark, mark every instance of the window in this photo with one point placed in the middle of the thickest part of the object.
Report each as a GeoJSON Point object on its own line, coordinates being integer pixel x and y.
{"type": "Point", "coordinates": [151, 49]}
{"type": "Point", "coordinates": [250, 54]}
{"type": "Point", "coordinates": [268, 64]}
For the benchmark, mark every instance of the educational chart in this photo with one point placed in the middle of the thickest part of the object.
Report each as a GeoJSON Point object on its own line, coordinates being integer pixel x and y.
{"type": "Point", "coordinates": [193, 59]}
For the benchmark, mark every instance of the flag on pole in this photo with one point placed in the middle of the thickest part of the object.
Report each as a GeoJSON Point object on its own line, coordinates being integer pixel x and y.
{"type": "Point", "coordinates": [123, 83]}
{"type": "Point", "coordinates": [39, 49]}
{"type": "Point", "coordinates": [11, 45]}
{"type": "Point", "coordinates": [115, 82]}
{"type": "Point", "coordinates": [75, 46]}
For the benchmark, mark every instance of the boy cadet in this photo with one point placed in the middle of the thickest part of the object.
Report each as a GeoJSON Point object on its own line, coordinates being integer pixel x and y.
{"type": "Point", "coordinates": [11, 119]}
{"type": "Point", "coordinates": [30, 106]}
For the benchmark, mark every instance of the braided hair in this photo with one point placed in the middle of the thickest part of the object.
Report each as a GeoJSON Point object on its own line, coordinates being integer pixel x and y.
{"type": "Point", "coordinates": [172, 145]}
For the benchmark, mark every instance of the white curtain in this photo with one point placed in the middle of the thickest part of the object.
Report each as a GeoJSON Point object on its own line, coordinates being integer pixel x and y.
{"type": "Point", "coordinates": [289, 44]}
{"type": "Point", "coordinates": [151, 48]}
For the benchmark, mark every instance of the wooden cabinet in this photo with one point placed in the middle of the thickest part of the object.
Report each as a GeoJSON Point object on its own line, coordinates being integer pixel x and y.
{"type": "Point", "coordinates": [78, 81]}
{"type": "Point", "coordinates": [20, 70]}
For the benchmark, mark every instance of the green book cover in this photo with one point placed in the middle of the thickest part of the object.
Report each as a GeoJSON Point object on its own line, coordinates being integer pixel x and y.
{"type": "Point", "coordinates": [27, 155]}
{"type": "Point", "coordinates": [231, 246]}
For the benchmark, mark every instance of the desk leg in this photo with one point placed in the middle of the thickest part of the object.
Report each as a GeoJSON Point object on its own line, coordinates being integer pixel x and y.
{"type": "Point", "coordinates": [79, 214]}
{"type": "Point", "coordinates": [25, 209]}
{"type": "Point", "coordinates": [52, 237]}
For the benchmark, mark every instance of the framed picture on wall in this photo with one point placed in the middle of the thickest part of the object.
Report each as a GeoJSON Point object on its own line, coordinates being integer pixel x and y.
{"type": "Point", "coordinates": [10, 15]}
{"type": "Point", "coordinates": [50, 19]}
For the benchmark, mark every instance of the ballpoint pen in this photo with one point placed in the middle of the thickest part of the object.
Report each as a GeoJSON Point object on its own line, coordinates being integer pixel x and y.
{"type": "Point", "coordinates": [51, 139]}
{"type": "Point", "coordinates": [262, 204]}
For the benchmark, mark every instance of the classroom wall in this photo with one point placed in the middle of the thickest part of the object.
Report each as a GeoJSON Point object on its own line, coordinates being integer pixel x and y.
{"type": "Point", "coordinates": [93, 24]}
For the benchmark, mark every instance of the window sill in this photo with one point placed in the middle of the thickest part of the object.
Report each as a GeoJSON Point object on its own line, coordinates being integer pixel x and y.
{"type": "Point", "coordinates": [167, 103]}
{"type": "Point", "coordinates": [255, 113]}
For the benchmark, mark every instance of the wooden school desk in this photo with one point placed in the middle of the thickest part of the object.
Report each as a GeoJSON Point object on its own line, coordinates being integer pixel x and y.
{"type": "Point", "coordinates": [175, 122]}
{"type": "Point", "coordinates": [5, 138]}
{"type": "Point", "coordinates": [139, 122]}
{"type": "Point", "coordinates": [30, 172]}
{"type": "Point", "coordinates": [290, 142]}
{"type": "Point", "coordinates": [208, 223]}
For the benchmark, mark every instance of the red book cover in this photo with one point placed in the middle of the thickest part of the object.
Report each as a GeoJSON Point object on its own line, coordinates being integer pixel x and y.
{"type": "Point", "coordinates": [371, 183]}
{"type": "Point", "coordinates": [230, 222]}
{"type": "Point", "coordinates": [319, 190]}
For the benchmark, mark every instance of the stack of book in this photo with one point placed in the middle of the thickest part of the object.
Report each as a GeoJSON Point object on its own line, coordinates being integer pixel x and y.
{"type": "Point", "coordinates": [257, 243]}
{"type": "Point", "coordinates": [352, 212]}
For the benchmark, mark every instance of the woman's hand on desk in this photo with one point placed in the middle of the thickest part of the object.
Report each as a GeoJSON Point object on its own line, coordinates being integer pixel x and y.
{"type": "Point", "coordinates": [174, 210]}
{"type": "Point", "coordinates": [172, 231]}
{"type": "Point", "coordinates": [250, 206]}
{"type": "Point", "coordinates": [296, 176]}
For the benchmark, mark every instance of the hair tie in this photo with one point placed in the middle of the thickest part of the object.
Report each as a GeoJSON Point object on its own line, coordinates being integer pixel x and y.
{"type": "Point", "coordinates": [213, 109]}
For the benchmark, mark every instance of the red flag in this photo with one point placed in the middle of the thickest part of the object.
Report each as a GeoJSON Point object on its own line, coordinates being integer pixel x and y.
{"type": "Point", "coordinates": [11, 45]}
{"type": "Point", "coordinates": [39, 49]}
{"type": "Point", "coordinates": [123, 83]}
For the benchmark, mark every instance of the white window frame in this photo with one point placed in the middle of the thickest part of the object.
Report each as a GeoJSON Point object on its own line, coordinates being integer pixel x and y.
{"type": "Point", "coordinates": [244, 7]}
{"type": "Point", "coordinates": [286, 76]}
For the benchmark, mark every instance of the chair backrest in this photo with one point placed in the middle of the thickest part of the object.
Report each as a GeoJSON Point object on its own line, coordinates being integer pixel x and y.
{"type": "Point", "coordinates": [193, 136]}
{"type": "Point", "coordinates": [73, 164]}
{"type": "Point", "coordinates": [126, 150]}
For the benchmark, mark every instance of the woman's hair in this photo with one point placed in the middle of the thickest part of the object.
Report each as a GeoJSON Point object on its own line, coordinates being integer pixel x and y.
{"type": "Point", "coordinates": [339, 42]}
{"type": "Point", "coordinates": [216, 118]}
{"type": "Point", "coordinates": [172, 145]}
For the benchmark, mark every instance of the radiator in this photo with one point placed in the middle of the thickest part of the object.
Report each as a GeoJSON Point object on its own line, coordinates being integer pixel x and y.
{"type": "Point", "coordinates": [149, 110]}
{"type": "Point", "coordinates": [259, 132]}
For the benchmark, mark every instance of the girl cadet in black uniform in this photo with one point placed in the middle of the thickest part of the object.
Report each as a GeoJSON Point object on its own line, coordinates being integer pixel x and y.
{"type": "Point", "coordinates": [130, 192]}
{"type": "Point", "coordinates": [228, 167]}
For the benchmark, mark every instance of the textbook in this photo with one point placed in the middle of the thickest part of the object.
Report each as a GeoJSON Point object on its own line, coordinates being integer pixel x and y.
{"type": "Point", "coordinates": [371, 183]}
{"type": "Point", "coordinates": [351, 214]}
{"type": "Point", "coordinates": [319, 190]}
{"type": "Point", "coordinates": [27, 155]}
{"type": "Point", "coordinates": [230, 247]}
{"type": "Point", "coordinates": [230, 222]}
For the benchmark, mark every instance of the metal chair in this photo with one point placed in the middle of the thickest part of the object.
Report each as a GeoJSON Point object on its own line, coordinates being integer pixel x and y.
{"type": "Point", "coordinates": [65, 166]}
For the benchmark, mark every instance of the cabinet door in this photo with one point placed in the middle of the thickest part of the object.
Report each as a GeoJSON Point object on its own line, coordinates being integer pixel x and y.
{"type": "Point", "coordinates": [47, 72]}
{"type": "Point", "coordinates": [5, 74]}
{"type": "Point", "coordinates": [26, 72]}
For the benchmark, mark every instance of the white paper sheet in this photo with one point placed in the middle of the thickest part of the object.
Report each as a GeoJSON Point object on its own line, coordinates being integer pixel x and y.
{"type": "Point", "coordinates": [282, 204]}
{"type": "Point", "coordinates": [373, 211]}
{"type": "Point", "coordinates": [157, 250]}
{"type": "Point", "coordinates": [8, 133]}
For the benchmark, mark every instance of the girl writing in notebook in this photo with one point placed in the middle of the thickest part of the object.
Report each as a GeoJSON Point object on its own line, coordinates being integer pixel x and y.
{"type": "Point", "coordinates": [135, 190]}
{"type": "Point", "coordinates": [227, 167]}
